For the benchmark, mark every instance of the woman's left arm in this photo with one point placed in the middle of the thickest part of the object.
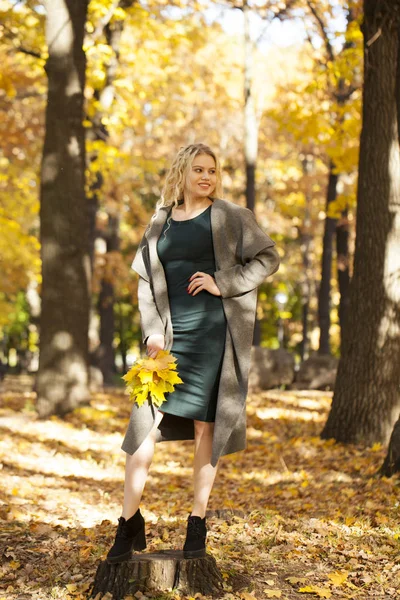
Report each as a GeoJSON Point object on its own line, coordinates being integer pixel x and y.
{"type": "Point", "coordinates": [260, 261]}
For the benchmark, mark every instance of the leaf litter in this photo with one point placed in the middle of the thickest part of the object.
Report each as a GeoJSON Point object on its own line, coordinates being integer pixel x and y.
{"type": "Point", "coordinates": [291, 517]}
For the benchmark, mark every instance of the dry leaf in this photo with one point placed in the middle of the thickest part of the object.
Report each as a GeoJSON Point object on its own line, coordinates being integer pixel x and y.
{"type": "Point", "coordinates": [296, 580]}
{"type": "Point", "coordinates": [338, 578]}
{"type": "Point", "coordinates": [272, 593]}
{"type": "Point", "coordinates": [313, 589]}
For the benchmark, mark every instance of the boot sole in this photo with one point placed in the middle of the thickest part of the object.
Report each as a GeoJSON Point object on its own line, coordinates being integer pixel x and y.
{"type": "Point", "coordinates": [194, 553]}
{"type": "Point", "coordinates": [139, 543]}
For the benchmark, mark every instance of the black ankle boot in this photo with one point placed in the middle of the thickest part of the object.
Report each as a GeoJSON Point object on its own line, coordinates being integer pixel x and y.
{"type": "Point", "coordinates": [195, 544]}
{"type": "Point", "coordinates": [130, 536]}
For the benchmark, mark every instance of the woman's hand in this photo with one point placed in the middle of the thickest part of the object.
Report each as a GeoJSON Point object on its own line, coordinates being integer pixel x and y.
{"type": "Point", "coordinates": [155, 343]}
{"type": "Point", "coordinates": [202, 281]}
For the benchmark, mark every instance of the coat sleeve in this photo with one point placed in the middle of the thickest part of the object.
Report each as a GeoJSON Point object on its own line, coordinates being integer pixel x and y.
{"type": "Point", "coordinates": [150, 320]}
{"type": "Point", "coordinates": [259, 259]}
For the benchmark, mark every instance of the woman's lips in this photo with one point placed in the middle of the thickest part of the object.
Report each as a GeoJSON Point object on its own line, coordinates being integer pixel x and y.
{"type": "Point", "coordinates": [204, 185]}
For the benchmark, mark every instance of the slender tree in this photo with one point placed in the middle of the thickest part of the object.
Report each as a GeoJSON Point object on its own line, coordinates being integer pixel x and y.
{"type": "Point", "coordinates": [110, 29]}
{"type": "Point", "coordinates": [62, 381]}
{"type": "Point", "coordinates": [340, 94]}
{"type": "Point", "coordinates": [367, 398]}
{"type": "Point", "coordinates": [251, 119]}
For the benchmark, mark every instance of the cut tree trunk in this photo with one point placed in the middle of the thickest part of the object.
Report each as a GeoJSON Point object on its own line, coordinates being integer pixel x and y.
{"type": "Point", "coordinates": [366, 401]}
{"type": "Point", "coordinates": [63, 376]}
{"type": "Point", "coordinates": [159, 572]}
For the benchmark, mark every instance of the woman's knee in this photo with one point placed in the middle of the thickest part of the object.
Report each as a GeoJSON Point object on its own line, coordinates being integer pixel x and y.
{"type": "Point", "coordinates": [203, 429]}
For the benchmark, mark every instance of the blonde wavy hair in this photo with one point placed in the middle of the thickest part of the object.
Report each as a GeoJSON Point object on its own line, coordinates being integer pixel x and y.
{"type": "Point", "coordinates": [174, 185]}
{"type": "Point", "coordinates": [175, 181]}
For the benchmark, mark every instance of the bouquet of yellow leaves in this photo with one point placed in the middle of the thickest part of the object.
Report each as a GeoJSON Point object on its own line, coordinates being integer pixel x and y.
{"type": "Point", "coordinates": [154, 376]}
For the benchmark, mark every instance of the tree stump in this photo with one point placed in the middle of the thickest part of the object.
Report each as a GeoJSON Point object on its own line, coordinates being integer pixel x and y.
{"type": "Point", "coordinates": [160, 571]}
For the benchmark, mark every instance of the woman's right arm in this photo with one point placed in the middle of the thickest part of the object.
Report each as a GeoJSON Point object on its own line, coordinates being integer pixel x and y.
{"type": "Point", "coordinates": [150, 320]}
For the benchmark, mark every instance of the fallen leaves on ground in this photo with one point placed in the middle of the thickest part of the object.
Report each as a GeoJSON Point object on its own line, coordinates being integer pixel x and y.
{"type": "Point", "coordinates": [291, 517]}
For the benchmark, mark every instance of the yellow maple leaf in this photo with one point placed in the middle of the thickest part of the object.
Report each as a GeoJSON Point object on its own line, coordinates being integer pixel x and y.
{"type": "Point", "coordinates": [338, 578]}
{"type": "Point", "coordinates": [146, 376]}
{"type": "Point", "coordinates": [141, 396]}
{"type": "Point", "coordinates": [152, 376]}
{"type": "Point", "coordinates": [157, 391]}
{"type": "Point", "coordinates": [313, 589]}
{"type": "Point", "coordinates": [246, 596]}
{"type": "Point", "coordinates": [173, 378]}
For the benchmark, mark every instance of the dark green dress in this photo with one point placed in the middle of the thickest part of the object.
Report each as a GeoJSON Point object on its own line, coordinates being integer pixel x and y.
{"type": "Point", "coordinates": [198, 322]}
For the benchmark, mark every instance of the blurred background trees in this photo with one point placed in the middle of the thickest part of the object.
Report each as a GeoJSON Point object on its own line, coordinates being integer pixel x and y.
{"type": "Point", "coordinates": [159, 76]}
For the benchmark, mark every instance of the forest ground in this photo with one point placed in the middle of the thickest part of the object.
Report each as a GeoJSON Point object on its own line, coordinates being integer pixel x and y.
{"type": "Point", "coordinates": [312, 519]}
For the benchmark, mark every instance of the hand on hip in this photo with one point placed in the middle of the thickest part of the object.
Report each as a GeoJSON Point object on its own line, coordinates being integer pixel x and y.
{"type": "Point", "coordinates": [202, 281]}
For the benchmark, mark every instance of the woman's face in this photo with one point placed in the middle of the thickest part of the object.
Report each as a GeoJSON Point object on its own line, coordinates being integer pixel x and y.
{"type": "Point", "coordinates": [202, 177]}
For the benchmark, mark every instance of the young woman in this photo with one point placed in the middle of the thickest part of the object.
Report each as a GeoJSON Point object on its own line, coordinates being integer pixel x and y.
{"type": "Point", "coordinates": [199, 264]}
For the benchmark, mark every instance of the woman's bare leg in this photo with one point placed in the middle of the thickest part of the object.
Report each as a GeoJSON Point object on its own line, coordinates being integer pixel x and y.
{"type": "Point", "coordinates": [204, 473]}
{"type": "Point", "coordinates": [136, 469]}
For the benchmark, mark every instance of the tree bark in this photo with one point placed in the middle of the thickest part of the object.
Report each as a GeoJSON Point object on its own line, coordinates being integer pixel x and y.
{"type": "Point", "coordinates": [366, 401]}
{"type": "Point", "coordinates": [343, 271]}
{"type": "Point", "coordinates": [305, 245]}
{"type": "Point", "coordinates": [391, 464]}
{"type": "Point", "coordinates": [250, 117]}
{"type": "Point", "coordinates": [63, 376]}
{"type": "Point", "coordinates": [250, 133]}
{"type": "Point", "coordinates": [105, 351]}
{"type": "Point", "coordinates": [324, 294]}
{"type": "Point", "coordinates": [162, 571]}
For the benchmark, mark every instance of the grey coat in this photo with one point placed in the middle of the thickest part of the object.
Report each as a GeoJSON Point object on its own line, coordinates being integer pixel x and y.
{"type": "Point", "coordinates": [244, 257]}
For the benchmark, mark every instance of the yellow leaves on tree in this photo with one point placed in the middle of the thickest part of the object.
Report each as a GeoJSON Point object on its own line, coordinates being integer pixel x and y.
{"type": "Point", "coordinates": [152, 377]}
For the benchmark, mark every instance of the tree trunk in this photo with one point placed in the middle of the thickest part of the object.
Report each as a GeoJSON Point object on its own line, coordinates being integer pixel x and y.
{"type": "Point", "coordinates": [324, 294]}
{"type": "Point", "coordinates": [250, 117]}
{"type": "Point", "coordinates": [343, 272]}
{"type": "Point", "coordinates": [122, 342]}
{"type": "Point", "coordinates": [104, 354]}
{"type": "Point", "coordinates": [391, 463]}
{"type": "Point", "coordinates": [366, 401]}
{"type": "Point", "coordinates": [159, 572]}
{"type": "Point", "coordinates": [305, 245]}
{"type": "Point", "coordinates": [250, 133]}
{"type": "Point", "coordinates": [105, 351]}
{"type": "Point", "coordinates": [62, 381]}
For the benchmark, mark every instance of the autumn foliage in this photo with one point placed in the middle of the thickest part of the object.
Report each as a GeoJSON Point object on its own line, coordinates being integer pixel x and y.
{"type": "Point", "coordinates": [292, 517]}
{"type": "Point", "coordinates": [142, 103]}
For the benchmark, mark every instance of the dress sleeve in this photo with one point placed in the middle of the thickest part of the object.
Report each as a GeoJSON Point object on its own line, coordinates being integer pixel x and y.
{"type": "Point", "coordinates": [259, 259]}
{"type": "Point", "coordinates": [150, 319]}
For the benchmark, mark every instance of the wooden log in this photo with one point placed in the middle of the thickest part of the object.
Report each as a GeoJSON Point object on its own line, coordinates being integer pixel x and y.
{"type": "Point", "coordinates": [159, 571]}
